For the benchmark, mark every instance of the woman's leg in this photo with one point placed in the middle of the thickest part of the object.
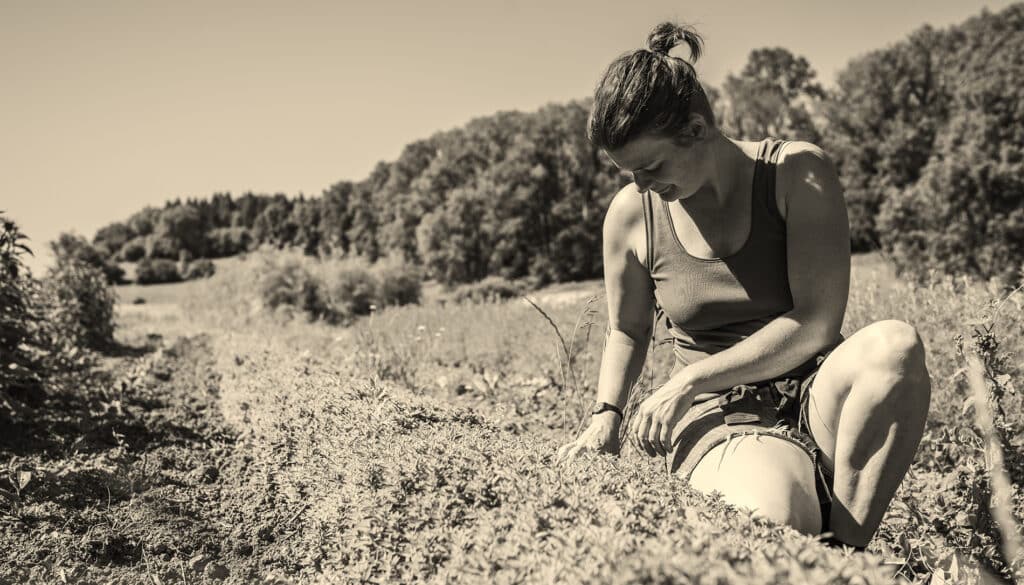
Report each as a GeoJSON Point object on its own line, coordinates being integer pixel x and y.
{"type": "Point", "coordinates": [771, 476]}
{"type": "Point", "coordinates": [867, 409]}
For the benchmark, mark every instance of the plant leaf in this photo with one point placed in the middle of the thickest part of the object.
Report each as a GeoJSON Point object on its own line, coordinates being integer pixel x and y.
{"type": "Point", "coordinates": [968, 404]}
{"type": "Point", "coordinates": [23, 478]}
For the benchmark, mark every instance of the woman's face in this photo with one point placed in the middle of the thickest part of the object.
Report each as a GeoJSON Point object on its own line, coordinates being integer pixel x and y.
{"type": "Point", "coordinates": [660, 164]}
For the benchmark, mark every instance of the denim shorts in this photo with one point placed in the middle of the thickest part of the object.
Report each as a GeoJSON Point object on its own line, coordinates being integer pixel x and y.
{"type": "Point", "coordinates": [775, 407]}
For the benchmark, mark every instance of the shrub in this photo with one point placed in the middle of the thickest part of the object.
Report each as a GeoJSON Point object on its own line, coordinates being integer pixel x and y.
{"type": "Point", "coordinates": [399, 283]}
{"type": "Point", "coordinates": [72, 248]}
{"type": "Point", "coordinates": [133, 250]}
{"type": "Point", "coordinates": [285, 282]}
{"type": "Point", "coordinates": [228, 241]}
{"type": "Point", "coordinates": [78, 306]}
{"type": "Point", "coordinates": [202, 268]}
{"type": "Point", "coordinates": [158, 246]}
{"type": "Point", "coordinates": [17, 366]}
{"type": "Point", "coordinates": [490, 289]}
{"type": "Point", "coordinates": [353, 290]}
{"type": "Point", "coordinates": [156, 270]}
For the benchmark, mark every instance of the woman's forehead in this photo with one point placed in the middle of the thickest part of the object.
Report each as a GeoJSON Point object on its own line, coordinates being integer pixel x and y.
{"type": "Point", "coordinates": [638, 152]}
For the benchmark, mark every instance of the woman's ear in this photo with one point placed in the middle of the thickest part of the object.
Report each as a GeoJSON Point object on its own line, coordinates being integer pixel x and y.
{"type": "Point", "coordinates": [696, 128]}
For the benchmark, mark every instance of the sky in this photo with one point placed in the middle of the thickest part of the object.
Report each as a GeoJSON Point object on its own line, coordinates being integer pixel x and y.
{"type": "Point", "coordinates": [107, 107]}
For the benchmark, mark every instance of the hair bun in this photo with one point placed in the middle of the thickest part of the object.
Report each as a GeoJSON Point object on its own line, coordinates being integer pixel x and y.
{"type": "Point", "coordinates": [667, 35]}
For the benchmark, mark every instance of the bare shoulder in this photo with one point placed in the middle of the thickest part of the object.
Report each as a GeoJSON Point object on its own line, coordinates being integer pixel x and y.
{"type": "Point", "coordinates": [624, 221]}
{"type": "Point", "coordinates": [804, 169]}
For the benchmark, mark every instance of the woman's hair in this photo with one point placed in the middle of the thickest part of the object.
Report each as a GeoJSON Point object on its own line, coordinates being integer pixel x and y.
{"type": "Point", "coordinates": [648, 90]}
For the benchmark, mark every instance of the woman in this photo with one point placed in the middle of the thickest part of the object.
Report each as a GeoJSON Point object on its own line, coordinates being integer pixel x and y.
{"type": "Point", "coordinates": [744, 246]}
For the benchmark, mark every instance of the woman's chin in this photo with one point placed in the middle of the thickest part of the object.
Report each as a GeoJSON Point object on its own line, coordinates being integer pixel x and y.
{"type": "Point", "coordinates": [671, 194]}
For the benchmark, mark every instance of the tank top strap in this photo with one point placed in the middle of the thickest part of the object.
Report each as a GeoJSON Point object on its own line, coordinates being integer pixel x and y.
{"type": "Point", "coordinates": [648, 206]}
{"type": "Point", "coordinates": [765, 178]}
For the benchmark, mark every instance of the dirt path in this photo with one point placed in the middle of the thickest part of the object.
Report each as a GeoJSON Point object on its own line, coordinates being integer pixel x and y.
{"type": "Point", "coordinates": [132, 478]}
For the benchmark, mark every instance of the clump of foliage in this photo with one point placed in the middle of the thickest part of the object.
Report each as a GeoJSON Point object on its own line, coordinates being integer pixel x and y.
{"type": "Point", "coordinates": [228, 241]}
{"type": "Point", "coordinates": [202, 268]}
{"type": "Point", "coordinates": [156, 271]}
{"type": "Point", "coordinates": [353, 291]}
{"type": "Point", "coordinates": [71, 248]}
{"type": "Point", "coordinates": [17, 363]}
{"type": "Point", "coordinates": [133, 250]}
{"type": "Point", "coordinates": [332, 289]}
{"type": "Point", "coordinates": [78, 306]}
{"type": "Point", "coordinates": [284, 283]}
{"type": "Point", "coordinates": [489, 290]}
{"type": "Point", "coordinates": [48, 326]}
{"type": "Point", "coordinates": [399, 282]}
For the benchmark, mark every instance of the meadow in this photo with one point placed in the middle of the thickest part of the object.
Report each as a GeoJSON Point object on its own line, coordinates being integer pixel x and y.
{"type": "Point", "coordinates": [417, 445]}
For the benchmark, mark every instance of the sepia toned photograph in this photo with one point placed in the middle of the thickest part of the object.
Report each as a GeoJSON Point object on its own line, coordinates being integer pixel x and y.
{"type": "Point", "coordinates": [502, 292]}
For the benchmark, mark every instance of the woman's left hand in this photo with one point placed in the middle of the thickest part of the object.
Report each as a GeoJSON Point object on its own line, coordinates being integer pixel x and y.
{"type": "Point", "coordinates": [653, 421]}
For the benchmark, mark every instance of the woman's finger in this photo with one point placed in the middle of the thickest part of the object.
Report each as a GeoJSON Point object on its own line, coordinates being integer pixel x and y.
{"type": "Point", "coordinates": [654, 437]}
{"type": "Point", "coordinates": [666, 439]}
{"type": "Point", "coordinates": [642, 435]}
{"type": "Point", "coordinates": [561, 452]}
{"type": "Point", "coordinates": [566, 453]}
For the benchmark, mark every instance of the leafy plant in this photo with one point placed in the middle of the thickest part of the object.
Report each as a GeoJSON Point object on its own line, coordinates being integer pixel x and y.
{"type": "Point", "coordinates": [156, 271]}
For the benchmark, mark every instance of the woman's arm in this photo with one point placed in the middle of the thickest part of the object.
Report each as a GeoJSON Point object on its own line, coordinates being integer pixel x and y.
{"type": "Point", "coordinates": [818, 255]}
{"type": "Point", "coordinates": [630, 295]}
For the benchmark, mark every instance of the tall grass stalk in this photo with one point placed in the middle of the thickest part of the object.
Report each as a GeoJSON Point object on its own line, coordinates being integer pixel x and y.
{"type": "Point", "coordinates": [567, 349]}
{"type": "Point", "coordinates": [1001, 501]}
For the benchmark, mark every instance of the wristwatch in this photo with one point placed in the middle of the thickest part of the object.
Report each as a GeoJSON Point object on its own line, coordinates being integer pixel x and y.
{"type": "Point", "coordinates": [600, 407]}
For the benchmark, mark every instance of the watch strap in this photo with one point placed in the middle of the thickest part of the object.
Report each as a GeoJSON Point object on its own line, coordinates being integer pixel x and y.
{"type": "Point", "coordinates": [604, 407]}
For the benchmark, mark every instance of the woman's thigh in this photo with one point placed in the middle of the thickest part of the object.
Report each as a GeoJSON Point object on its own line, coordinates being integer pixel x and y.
{"type": "Point", "coordinates": [771, 476]}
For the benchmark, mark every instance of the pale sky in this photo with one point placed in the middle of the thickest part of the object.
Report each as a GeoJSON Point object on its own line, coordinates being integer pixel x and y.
{"type": "Point", "coordinates": [108, 106]}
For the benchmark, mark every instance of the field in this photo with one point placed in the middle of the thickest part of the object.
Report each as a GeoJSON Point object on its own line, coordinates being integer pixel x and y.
{"type": "Point", "coordinates": [225, 443]}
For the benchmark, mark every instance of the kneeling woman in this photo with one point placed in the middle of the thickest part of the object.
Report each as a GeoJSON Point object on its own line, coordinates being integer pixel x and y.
{"type": "Point", "coordinates": [744, 246]}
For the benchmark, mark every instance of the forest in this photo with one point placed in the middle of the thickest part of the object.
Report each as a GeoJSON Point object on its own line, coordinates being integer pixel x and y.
{"type": "Point", "coordinates": [927, 135]}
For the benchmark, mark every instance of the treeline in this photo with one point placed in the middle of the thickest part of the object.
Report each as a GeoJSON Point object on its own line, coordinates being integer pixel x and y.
{"type": "Point", "coordinates": [514, 194]}
{"type": "Point", "coordinates": [927, 135]}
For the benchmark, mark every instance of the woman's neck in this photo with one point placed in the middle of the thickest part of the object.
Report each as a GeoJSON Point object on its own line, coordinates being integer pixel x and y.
{"type": "Point", "coordinates": [728, 167]}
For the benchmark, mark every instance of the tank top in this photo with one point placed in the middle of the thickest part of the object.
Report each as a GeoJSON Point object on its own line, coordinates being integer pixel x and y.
{"type": "Point", "coordinates": [711, 304]}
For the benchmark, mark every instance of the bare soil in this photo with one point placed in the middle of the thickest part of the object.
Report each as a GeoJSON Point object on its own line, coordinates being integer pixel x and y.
{"type": "Point", "coordinates": [131, 475]}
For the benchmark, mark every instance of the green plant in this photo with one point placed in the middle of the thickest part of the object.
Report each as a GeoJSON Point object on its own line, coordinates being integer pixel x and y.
{"type": "Point", "coordinates": [202, 268]}
{"type": "Point", "coordinates": [283, 281]}
{"type": "Point", "coordinates": [73, 248]}
{"type": "Point", "coordinates": [156, 271]}
{"type": "Point", "coordinates": [399, 283]}
{"type": "Point", "coordinates": [489, 290]}
{"type": "Point", "coordinates": [17, 365]}
{"type": "Point", "coordinates": [353, 291]}
{"type": "Point", "coordinates": [78, 305]}
{"type": "Point", "coordinates": [568, 365]}
{"type": "Point", "coordinates": [133, 250]}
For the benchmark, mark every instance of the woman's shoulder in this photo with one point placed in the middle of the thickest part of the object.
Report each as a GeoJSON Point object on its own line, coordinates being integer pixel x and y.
{"type": "Point", "coordinates": [625, 211]}
{"type": "Point", "coordinates": [799, 152]}
{"type": "Point", "coordinates": [799, 162]}
{"type": "Point", "coordinates": [624, 220]}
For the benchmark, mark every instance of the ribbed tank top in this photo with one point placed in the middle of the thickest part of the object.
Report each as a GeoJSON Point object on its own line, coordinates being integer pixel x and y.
{"type": "Point", "coordinates": [711, 304]}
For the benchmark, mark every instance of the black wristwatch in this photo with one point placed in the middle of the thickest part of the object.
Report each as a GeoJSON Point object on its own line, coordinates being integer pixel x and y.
{"type": "Point", "coordinates": [600, 407]}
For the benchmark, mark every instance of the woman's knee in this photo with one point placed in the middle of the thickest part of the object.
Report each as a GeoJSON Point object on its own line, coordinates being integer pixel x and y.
{"type": "Point", "coordinates": [895, 347]}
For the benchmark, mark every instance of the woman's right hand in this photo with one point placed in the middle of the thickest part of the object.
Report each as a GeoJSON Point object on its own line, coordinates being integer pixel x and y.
{"type": "Point", "coordinates": [602, 435]}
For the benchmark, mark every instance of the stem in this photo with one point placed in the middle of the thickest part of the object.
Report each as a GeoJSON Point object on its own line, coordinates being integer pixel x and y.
{"type": "Point", "coordinates": [1002, 491]}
